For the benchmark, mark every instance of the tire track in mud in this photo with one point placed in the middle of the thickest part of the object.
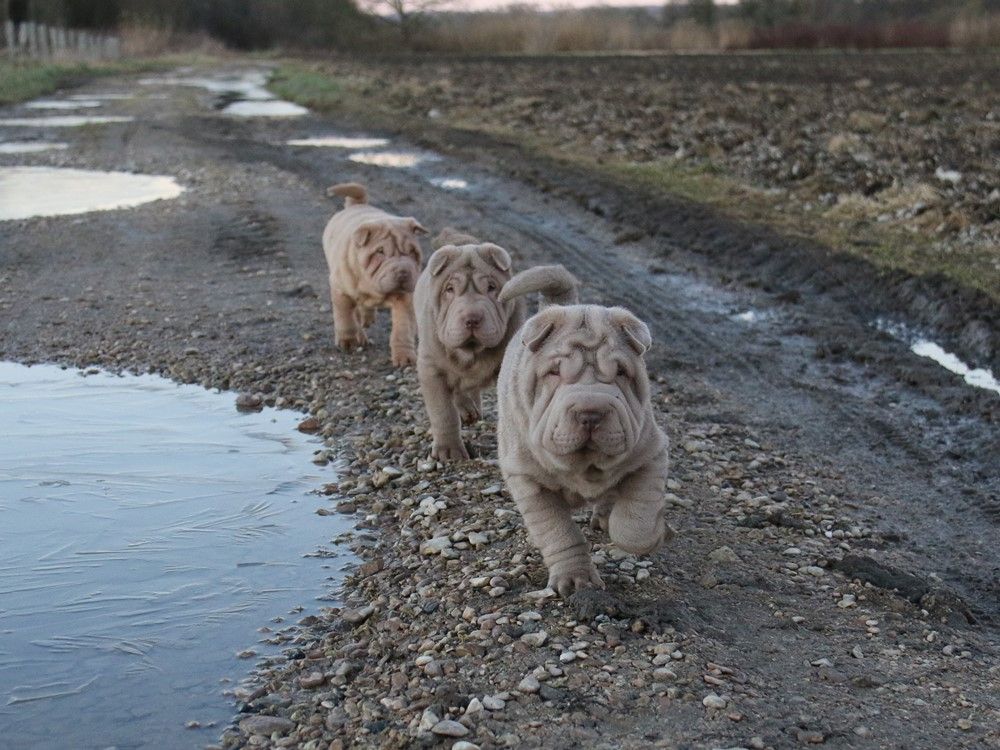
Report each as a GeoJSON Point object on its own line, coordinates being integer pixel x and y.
{"type": "Point", "coordinates": [762, 375]}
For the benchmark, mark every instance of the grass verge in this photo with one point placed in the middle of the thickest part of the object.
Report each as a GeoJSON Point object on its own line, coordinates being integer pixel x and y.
{"type": "Point", "coordinates": [20, 81]}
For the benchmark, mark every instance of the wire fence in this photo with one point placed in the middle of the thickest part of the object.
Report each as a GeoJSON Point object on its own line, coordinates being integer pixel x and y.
{"type": "Point", "coordinates": [39, 41]}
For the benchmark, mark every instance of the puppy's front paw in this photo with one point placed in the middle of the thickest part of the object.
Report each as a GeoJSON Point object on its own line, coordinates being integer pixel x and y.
{"type": "Point", "coordinates": [352, 340]}
{"type": "Point", "coordinates": [449, 451]}
{"type": "Point", "coordinates": [404, 357]}
{"type": "Point", "coordinates": [566, 582]}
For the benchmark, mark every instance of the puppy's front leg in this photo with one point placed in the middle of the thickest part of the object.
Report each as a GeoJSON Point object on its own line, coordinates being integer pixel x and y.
{"type": "Point", "coordinates": [552, 530]}
{"type": "Point", "coordinates": [442, 412]}
{"type": "Point", "coordinates": [403, 338]}
{"type": "Point", "coordinates": [345, 323]}
{"type": "Point", "coordinates": [636, 523]}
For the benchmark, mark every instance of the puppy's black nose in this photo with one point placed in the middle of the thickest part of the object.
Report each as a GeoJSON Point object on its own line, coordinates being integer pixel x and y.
{"type": "Point", "coordinates": [473, 322]}
{"type": "Point", "coordinates": [589, 418]}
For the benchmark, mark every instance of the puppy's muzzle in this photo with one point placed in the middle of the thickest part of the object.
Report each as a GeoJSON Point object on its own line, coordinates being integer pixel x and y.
{"type": "Point", "coordinates": [473, 321]}
{"type": "Point", "coordinates": [590, 419]}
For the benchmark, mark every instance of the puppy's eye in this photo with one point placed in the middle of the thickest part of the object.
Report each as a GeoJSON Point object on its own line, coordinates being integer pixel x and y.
{"type": "Point", "coordinates": [554, 370]}
{"type": "Point", "coordinates": [450, 289]}
{"type": "Point", "coordinates": [380, 251]}
{"type": "Point", "coordinates": [491, 287]}
{"type": "Point", "coordinates": [622, 371]}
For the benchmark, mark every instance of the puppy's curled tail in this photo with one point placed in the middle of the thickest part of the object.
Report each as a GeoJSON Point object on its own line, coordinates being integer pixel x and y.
{"type": "Point", "coordinates": [351, 192]}
{"type": "Point", "coordinates": [452, 236]}
{"type": "Point", "coordinates": [557, 285]}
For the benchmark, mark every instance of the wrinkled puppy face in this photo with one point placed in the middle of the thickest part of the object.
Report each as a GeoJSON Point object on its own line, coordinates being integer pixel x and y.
{"type": "Point", "coordinates": [466, 281]}
{"type": "Point", "coordinates": [388, 254]}
{"type": "Point", "coordinates": [588, 385]}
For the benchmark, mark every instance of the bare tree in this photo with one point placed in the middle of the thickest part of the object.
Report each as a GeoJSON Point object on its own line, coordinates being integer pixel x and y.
{"type": "Point", "coordinates": [407, 13]}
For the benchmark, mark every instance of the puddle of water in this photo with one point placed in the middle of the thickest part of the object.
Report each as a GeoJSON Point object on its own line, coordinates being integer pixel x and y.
{"type": "Point", "coordinates": [27, 192]}
{"type": "Point", "coordinates": [148, 530]}
{"type": "Point", "coordinates": [250, 85]}
{"type": "Point", "coordinates": [395, 159]}
{"type": "Point", "coordinates": [976, 376]}
{"type": "Point", "coordinates": [30, 147]}
{"type": "Point", "coordinates": [271, 108]}
{"type": "Point", "coordinates": [336, 141]}
{"type": "Point", "coordinates": [101, 97]}
{"type": "Point", "coordinates": [63, 121]}
{"type": "Point", "coordinates": [63, 104]}
{"type": "Point", "coordinates": [450, 183]}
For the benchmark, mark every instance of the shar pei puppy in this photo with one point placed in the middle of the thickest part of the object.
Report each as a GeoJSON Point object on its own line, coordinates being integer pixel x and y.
{"type": "Point", "coordinates": [374, 260]}
{"type": "Point", "coordinates": [468, 307]}
{"type": "Point", "coordinates": [576, 429]}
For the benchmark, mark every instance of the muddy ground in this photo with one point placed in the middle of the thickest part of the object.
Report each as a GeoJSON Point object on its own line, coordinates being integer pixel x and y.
{"type": "Point", "coordinates": [836, 576]}
{"type": "Point", "coordinates": [888, 157]}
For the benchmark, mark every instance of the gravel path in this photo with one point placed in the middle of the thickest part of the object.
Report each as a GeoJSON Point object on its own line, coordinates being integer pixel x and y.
{"type": "Point", "coordinates": [834, 580]}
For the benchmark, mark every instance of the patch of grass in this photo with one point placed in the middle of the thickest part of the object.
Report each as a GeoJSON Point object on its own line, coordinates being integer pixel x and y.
{"type": "Point", "coordinates": [307, 86]}
{"type": "Point", "coordinates": [20, 81]}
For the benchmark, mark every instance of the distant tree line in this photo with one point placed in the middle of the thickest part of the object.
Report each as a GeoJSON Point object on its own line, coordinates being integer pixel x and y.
{"type": "Point", "coordinates": [243, 24]}
{"type": "Point", "coordinates": [771, 13]}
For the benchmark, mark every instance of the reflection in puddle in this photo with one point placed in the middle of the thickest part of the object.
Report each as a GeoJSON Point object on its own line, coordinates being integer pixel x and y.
{"type": "Point", "coordinates": [450, 183]}
{"type": "Point", "coordinates": [398, 159]}
{"type": "Point", "coordinates": [335, 141]}
{"type": "Point", "coordinates": [63, 121]}
{"type": "Point", "coordinates": [62, 104]}
{"type": "Point", "coordinates": [271, 108]}
{"type": "Point", "coordinates": [26, 192]}
{"type": "Point", "coordinates": [148, 530]}
{"type": "Point", "coordinates": [101, 97]}
{"type": "Point", "coordinates": [30, 147]}
{"type": "Point", "coordinates": [977, 376]}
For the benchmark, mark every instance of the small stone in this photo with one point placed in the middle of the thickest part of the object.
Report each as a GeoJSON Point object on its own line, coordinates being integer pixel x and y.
{"type": "Point", "coordinates": [312, 680]}
{"type": "Point", "coordinates": [475, 707]}
{"type": "Point", "coordinates": [848, 600]}
{"type": "Point", "coordinates": [715, 701]}
{"type": "Point", "coordinates": [529, 684]}
{"type": "Point", "coordinates": [964, 724]}
{"type": "Point", "coordinates": [464, 745]}
{"type": "Point", "coordinates": [492, 703]}
{"type": "Point", "coordinates": [814, 570]}
{"type": "Point", "coordinates": [478, 539]}
{"type": "Point", "coordinates": [449, 728]}
{"type": "Point", "coordinates": [428, 720]}
{"type": "Point", "coordinates": [266, 725]}
{"type": "Point", "coordinates": [535, 639]}
{"type": "Point", "coordinates": [357, 616]}
{"type": "Point", "coordinates": [723, 555]}
{"type": "Point", "coordinates": [567, 657]}
{"type": "Point", "coordinates": [310, 425]}
{"type": "Point", "coordinates": [663, 674]}
{"type": "Point", "coordinates": [249, 402]}
{"type": "Point", "coordinates": [435, 546]}
{"type": "Point", "coordinates": [493, 489]}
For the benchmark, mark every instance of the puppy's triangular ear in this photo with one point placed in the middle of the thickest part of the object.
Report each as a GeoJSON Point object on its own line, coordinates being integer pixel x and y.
{"type": "Point", "coordinates": [415, 226]}
{"type": "Point", "coordinates": [538, 328]}
{"type": "Point", "coordinates": [364, 233]}
{"type": "Point", "coordinates": [441, 258]}
{"type": "Point", "coordinates": [494, 254]}
{"type": "Point", "coordinates": [635, 332]}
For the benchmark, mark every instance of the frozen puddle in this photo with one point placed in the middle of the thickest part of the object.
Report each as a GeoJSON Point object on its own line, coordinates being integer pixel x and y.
{"type": "Point", "coordinates": [30, 147]}
{"type": "Point", "coordinates": [269, 108]}
{"type": "Point", "coordinates": [979, 377]}
{"type": "Point", "coordinates": [27, 192]}
{"type": "Point", "coordinates": [396, 159]}
{"type": "Point", "coordinates": [450, 183]}
{"type": "Point", "coordinates": [923, 347]}
{"type": "Point", "coordinates": [63, 104]}
{"type": "Point", "coordinates": [335, 141]}
{"type": "Point", "coordinates": [148, 530]}
{"type": "Point", "coordinates": [63, 121]}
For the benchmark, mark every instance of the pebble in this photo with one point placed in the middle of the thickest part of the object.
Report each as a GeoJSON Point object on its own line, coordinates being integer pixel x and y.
{"type": "Point", "coordinates": [449, 728]}
{"type": "Point", "coordinates": [529, 684]}
{"type": "Point", "coordinates": [715, 701]}
{"type": "Point", "coordinates": [464, 745]}
{"type": "Point", "coordinates": [435, 546]}
{"type": "Point", "coordinates": [492, 703]}
{"type": "Point", "coordinates": [266, 725]}
{"type": "Point", "coordinates": [567, 657]}
{"type": "Point", "coordinates": [357, 616]}
{"type": "Point", "coordinates": [535, 639]}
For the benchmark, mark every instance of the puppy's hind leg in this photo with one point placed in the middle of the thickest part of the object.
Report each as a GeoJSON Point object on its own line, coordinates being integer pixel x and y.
{"type": "Point", "coordinates": [345, 320]}
{"type": "Point", "coordinates": [470, 406]}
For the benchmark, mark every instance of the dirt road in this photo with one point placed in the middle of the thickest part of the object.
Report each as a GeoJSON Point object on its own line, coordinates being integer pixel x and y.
{"type": "Point", "coordinates": [817, 464]}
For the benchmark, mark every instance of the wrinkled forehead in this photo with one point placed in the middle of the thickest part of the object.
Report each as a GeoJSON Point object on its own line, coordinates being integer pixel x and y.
{"type": "Point", "coordinates": [587, 331]}
{"type": "Point", "coordinates": [469, 263]}
{"type": "Point", "coordinates": [397, 231]}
